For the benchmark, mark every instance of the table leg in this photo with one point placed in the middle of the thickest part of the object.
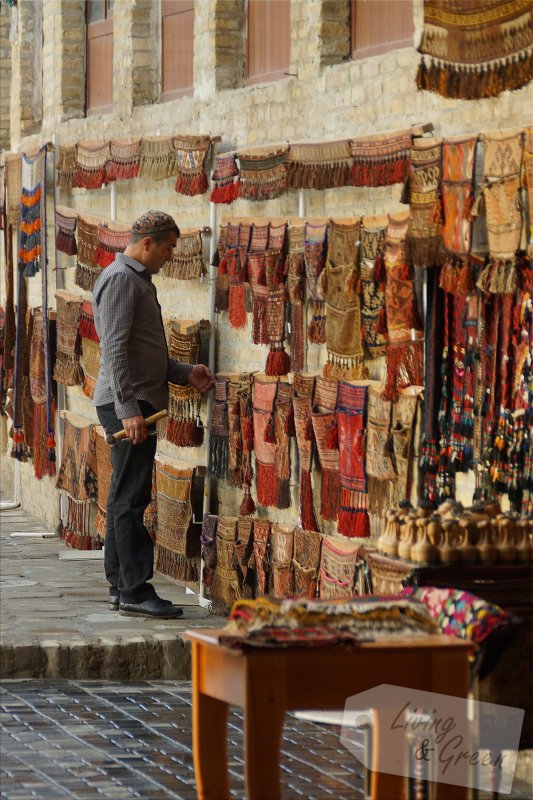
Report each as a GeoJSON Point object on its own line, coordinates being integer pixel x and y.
{"type": "Point", "coordinates": [383, 785]}
{"type": "Point", "coordinates": [209, 731]}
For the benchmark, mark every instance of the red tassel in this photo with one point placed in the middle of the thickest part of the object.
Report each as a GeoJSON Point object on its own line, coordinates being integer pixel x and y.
{"type": "Point", "coordinates": [191, 185]}
{"type": "Point", "coordinates": [267, 484]}
{"type": "Point", "coordinates": [289, 423]}
{"type": "Point", "coordinates": [307, 511]}
{"type": "Point", "coordinates": [330, 495]}
{"type": "Point", "coordinates": [247, 507]}
{"type": "Point", "coordinates": [309, 432]}
{"type": "Point", "coordinates": [332, 436]}
{"type": "Point", "coordinates": [122, 171]}
{"type": "Point", "coordinates": [237, 305]}
{"type": "Point", "coordinates": [87, 330]}
{"type": "Point", "coordinates": [270, 433]}
{"type": "Point", "coordinates": [225, 194]}
{"type": "Point", "coordinates": [278, 363]}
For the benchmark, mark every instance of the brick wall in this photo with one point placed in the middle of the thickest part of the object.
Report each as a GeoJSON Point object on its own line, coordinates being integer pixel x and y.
{"type": "Point", "coordinates": [331, 97]}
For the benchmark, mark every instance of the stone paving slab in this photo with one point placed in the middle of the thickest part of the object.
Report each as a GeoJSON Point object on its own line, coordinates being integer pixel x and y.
{"type": "Point", "coordinates": [55, 621]}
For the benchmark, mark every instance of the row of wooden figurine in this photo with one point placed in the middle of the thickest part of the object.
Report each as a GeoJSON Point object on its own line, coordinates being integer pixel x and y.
{"type": "Point", "coordinates": [453, 535]}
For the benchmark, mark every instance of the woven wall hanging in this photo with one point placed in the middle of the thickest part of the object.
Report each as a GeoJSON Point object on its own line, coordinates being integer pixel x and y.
{"type": "Point", "coordinates": [32, 212]}
{"type": "Point", "coordinates": [372, 298]}
{"type": "Point", "coordinates": [225, 586]}
{"type": "Point", "coordinates": [87, 269]}
{"type": "Point", "coordinates": [67, 369]}
{"type": "Point", "coordinates": [104, 472]}
{"type": "Point", "coordinates": [243, 554]}
{"type": "Point", "coordinates": [306, 562]}
{"type": "Point", "coordinates": [66, 166]}
{"type": "Point", "coordinates": [177, 545]}
{"type": "Point", "coordinates": [187, 262]}
{"type": "Point", "coordinates": [219, 438]}
{"type": "Point", "coordinates": [303, 386]}
{"type": "Point", "coordinates": [209, 556]}
{"type": "Point", "coordinates": [281, 548]}
{"type": "Point", "coordinates": [296, 293]}
{"type": "Point", "coordinates": [352, 519]}
{"type": "Point", "coordinates": [315, 244]}
{"type": "Point", "coordinates": [43, 441]}
{"type": "Point", "coordinates": [66, 220]}
{"type": "Point", "coordinates": [337, 568]}
{"type": "Point", "coordinates": [403, 428]}
{"type": "Point", "coordinates": [278, 360]}
{"type": "Point", "coordinates": [267, 483]}
{"type": "Point", "coordinates": [13, 186]}
{"type": "Point", "coordinates": [77, 477]}
{"type": "Point", "coordinates": [263, 173]}
{"type": "Point", "coordinates": [323, 420]}
{"type": "Point", "coordinates": [124, 159]}
{"type": "Point", "coordinates": [158, 158]}
{"type": "Point", "coordinates": [185, 427]}
{"type": "Point", "coordinates": [259, 560]}
{"type": "Point", "coordinates": [528, 178]}
{"type": "Point", "coordinates": [379, 466]}
{"type": "Point", "coordinates": [380, 160]}
{"type": "Point", "coordinates": [191, 157]}
{"type": "Point", "coordinates": [424, 245]}
{"type": "Point", "coordinates": [112, 238]}
{"type": "Point", "coordinates": [91, 160]}
{"type": "Point", "coordinates": [225, 179]}
{"type": "Point", "coordinates": [22, 425]}
{"type": "Point", "coordinates": [318, 165]}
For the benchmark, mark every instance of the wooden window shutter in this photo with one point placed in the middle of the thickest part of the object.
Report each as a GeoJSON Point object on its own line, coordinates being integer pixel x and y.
{"type": "Point", "coordinates": [381, 25]}
{"type": "Point", "coordinates": [268, 46]}
{"type": "Point", "coordinates": [177, 36]}
{"type": "Point", "coordinates": [99, 56]}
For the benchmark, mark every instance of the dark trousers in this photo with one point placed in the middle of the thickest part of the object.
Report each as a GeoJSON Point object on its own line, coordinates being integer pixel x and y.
{"type": "Point", "coordinates": [128, 550]}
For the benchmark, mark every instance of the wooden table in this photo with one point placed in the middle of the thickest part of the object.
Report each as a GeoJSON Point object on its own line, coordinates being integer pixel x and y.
{"type": "Point", "coordinates": [266, 683]}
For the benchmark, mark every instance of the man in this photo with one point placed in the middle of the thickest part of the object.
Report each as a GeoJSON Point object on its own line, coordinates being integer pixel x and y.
{"type": "Point", "coordinates": [133, 384]}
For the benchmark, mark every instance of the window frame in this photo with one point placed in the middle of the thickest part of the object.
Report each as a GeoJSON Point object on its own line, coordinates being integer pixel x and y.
{"type": "Point", "coordinates": [380, 48]}
{"type": "Point", "coordinates": [272, 75]}
{"type": "Point", "coordinates": [185, 91]}
{"type": "Point", "coordinates": [97, 30]}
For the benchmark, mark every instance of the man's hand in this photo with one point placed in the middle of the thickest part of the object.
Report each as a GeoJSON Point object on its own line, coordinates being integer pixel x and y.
{"type": "Point", "coordinates": [200, 377]}
{"type": "Point", "coordinates": [135, 428]}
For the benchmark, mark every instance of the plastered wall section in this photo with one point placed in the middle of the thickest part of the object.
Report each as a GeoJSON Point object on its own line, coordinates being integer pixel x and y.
{"type": "Point", "coordinates": [319, 100]}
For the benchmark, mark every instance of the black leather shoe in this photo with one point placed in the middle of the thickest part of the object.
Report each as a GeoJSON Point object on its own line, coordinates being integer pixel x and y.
{"type": "Point", "coordinates": [114, 599]}
{"type": "Point", "coordinates": [154, 607]}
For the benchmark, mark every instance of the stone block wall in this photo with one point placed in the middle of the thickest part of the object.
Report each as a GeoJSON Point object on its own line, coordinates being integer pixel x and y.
{"type": "Point", "coordinates": [326, 96]}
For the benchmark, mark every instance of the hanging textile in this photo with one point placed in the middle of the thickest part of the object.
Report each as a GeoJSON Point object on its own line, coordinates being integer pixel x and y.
{"type": "Point", "coordinates": [237, 276]}
{"type": "Point", "coordinates": [246, 421]}
{"type": "Point", "coordinates": [65, 221]}
{"type": "Point", "coordinates": [323, 421]}
{"type": "Point", "coordinates": [209, 556]}
{"type": "Point", "coordinates": [403, 429]}
{"type": "Point", "coordinates": [176, 543]}
{"type": "Point", "coordinates": [381, 159]}
{"type": "Point", "coordinates": [225, 585]}
{"type": "Point", "coordinates": [104, 472]}
{"type": "Point", "coordinates": [501, 199]}
{"type": "Point", "coordinates": [379, 464]}
{"type": "Point", "coordinates": [424, 246]}
{"type": "Point", "coordinates": [21, 433]}
{"type": "Point", "coordinates": [306, 562]}
{"type": "Point", "coordinates": [185, 427]}
{"type": "Point", "coordinates": [281, 548]}
{"type": "Point", "coordinates": [67, 369]}
{"type": "Point", "coordinates": [184, 340]}
{"type": "Point", "coordinates": [2, 196]}
{"type": "Point", "coordinates": [263, 173]}
{"type": "Point", "coordinates": [225, 179]}
{"type": "Point", "coordinates": [405, 338]}
{"type": "Point", "coordinates": [372, 298]}
{"type": "Point", "coordinates": [458, 171]}
{"type": "Point", "coordinates": [124, 159]}
{"type": "Point", "coordinates": [90, 355]}
{"type": "Point", "coordinates": [32, 212]}
{"type": "Point", "coordinates": [87, 269]}
{"type": "Point", "coordinates": [112, 238]}
{"type": "Point", "coordinates": [187, 262]}
{"type": "Point", "coordinates": [191, 157]}
{"type": "Point", "coordinates": [303, 386]}
{"type": "Point", "coordinates": [66, 166]}
{"type": "Point", "coordinates": [43, 406]}
{"type": "Point", "coordinates": [278, 360]}
{"type": "Point", "coordinates": [528, 179]}
{"type": "Point", "coordinates": [477, 49]}
{"type": "Point", "coordinates": [158, 158]}
{"type": "Point", "coordinates": [235, 436]}
{"type": "Point", "coordinates": [13, 186]}
{"type": "Point", "coordinates": [318, 165]}
{"type": "Point", "coordinates": [243, 553]}
{"type": "Point", "coordinates": [283, 430]}
{"type": "Point", "coordinates": [337, 568]}
{"type": "Point", "coordinates": [267, 484]}
{"type": "Point", "coordinates": [91, 160]}
{"type": "Point", "coordinates": [296, 292]}
{"type": "Point", "coordinates": [352, 519]}
{"type": "Point", "coordinates": [219, 438]}
{"type": "Point", "coordinates": [259, 561]}
{"type": "Point", "coordinates": [77, 477]}
{"type": "Point", "coordinates": [259, 290]}
{"type": "Point", "coordinates": [10, 323]}
{"type": "Point", "coordinates": [315, 259]}
{"type": "Point", "coordinates": [338, 285]}
{"type": "Point", "coordinates": [221, 284]}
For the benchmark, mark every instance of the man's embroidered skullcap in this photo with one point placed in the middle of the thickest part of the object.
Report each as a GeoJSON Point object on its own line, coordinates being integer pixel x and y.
{"type": "Point", "coordinates": [154, 222]}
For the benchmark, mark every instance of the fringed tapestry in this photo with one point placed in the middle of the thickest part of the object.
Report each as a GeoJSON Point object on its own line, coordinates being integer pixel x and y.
{"type": "Point", "coordinates": [337, 568]}
{"type": "Point", "coordinates": [112, 238]}
{"type": "Point", "coordinates": [221, 284]}
{"type": "Point", "coordinates": [424, 246]}
{"type": "Point", "coordinates": [380, 160]}
{"type": "Point", "coordinates": [235, 437]}
{"type": "Point", "coordinates": [325, 432]}
{"type": "Point", "coordinates": [306, 562]}
{"type": "Point", "coordinates": [209, 555]}
{"type": "Point", "coordinates": [91, 160]}
{"type": "Point", "coordinates": [338, 285]}
{"type": "Point", "coordinates": [458, 170]}
{"type": "Point", "coordinates": [10, 324]}
{"type": "Point", "coordinates": [296, 292]}
{"type": "Point", "coordinates": [278, 360]}
{"type": "Point", "coordinates": [352, 519]}
{"type": "Point", "coordinates": [259, 560]}
{"type": "Point", "coordinates": [104, 473]}
{"type": "Point", "coordinates": [177, 546]}
{"type": "Point", "coordinates": [315, 259]}
{"type": "Point", "coordinates": [67, 369]}
{"type": "Point", "coordinates": [43, 441]}
{"type": "Point", "coordinates": [283, 430]}
{"type": "Point", "coordinates": [191, 156]}
{"type": "Point", "coordinates": [405, 338]}
{"type": "Point", "coordinates": [403, 429]}
{"type": "Point", "coordinates": [303, 387]}
{"type": "Point", "coordinates": [66, 166]}
{"type": "Point", "coordinates": [184, 340]}
{"type": "Point", "coordinates": [13, 186]}
{"type": "Point", "coordinates": [225, 179]}
{"type": "Point", "coordinates": [66, 220]}
{"type": "Point", "coordinates": [32, 212]}
{"type": "Point", "coordinates": [185, 427]}
{"type": "Point", "coordinates": [281, 549]}
{"type": "Point", "coordinates": [267, 484]}
{"type": "Point", "coordinates": [318, 165]}
{"type": "Point", "coordinates": [501, 201]}
{"type": "Point", "coordinates": [246, 422]}
{"type": "Point", "coordinates": [476, 49]}
{"type": "Point", "coordinates": [27, 401]}
{"type": "Point", "coordinates": [124, 159]}
{"type": "Point", "coordinates": [236, 264]}
{"type": "Point", "coordinates": [277, 238]}
{"type": "Point", "coordinates": [263, 174]}
{"type": "Point", "coordinates": [87, 269]}
{"type": "Point", "coordinates": [528, 178]}
{"type": "Point", "coordinates": [219, 438]}
{"type": "Point", "coordinates": [225, 585]}
{"type": "Point", "coordinates": [22, 433]}
{"type": "Point", "coordinates": [158, 158]}
{"type": "Point", "coordinates": [187, 262]}
{"type": "Point", "coordinates": [243, 554]}
{"type": "Point", "coordinates": [379, 451]}
{"type": "Point", "coordinates": [259, 290]}
{"type": "Point", "coordinates": [77, 477]}
{"type": "Point", "coordinates": [90, 364]}
{"type": "Point", "coordinates": [372, 297]}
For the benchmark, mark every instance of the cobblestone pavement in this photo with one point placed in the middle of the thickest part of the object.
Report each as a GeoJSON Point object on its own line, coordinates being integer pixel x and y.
{"type": "Point", "coordinates": [88, 739]}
